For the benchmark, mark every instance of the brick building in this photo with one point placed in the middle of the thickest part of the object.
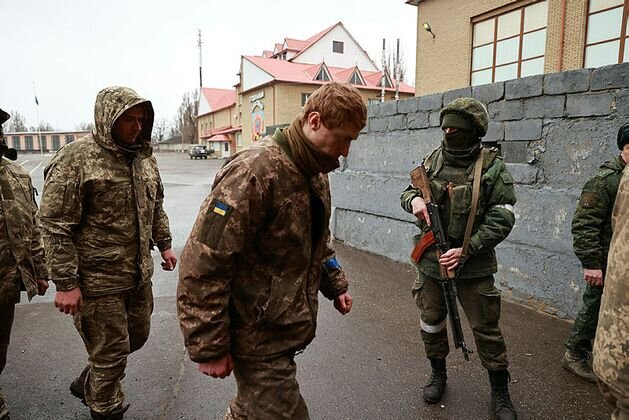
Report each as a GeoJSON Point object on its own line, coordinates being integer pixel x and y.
{"type": "Point", "coordinates": [485, 41]}
{"type": "Point", "coordinates": [50, 141]}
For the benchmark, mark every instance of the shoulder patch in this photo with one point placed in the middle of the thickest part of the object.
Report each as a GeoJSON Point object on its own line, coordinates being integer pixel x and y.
{"type": "Point", "coordinates": [214, 223]}
{"type": "Point", "coordinates": [588, 199]}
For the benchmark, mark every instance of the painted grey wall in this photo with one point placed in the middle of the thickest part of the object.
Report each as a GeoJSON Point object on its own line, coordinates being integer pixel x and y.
{"type": "Point", "coordinates": [554, 131]}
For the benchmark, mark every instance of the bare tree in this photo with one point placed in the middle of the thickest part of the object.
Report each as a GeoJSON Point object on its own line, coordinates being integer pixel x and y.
{"type": "Point", "coordinates": [43, 126]}
{"type": "Point", "coordinates": [186, 120]}
{"type": "Point", "coordinates": [17, 123]}
{"type": "Point", "coordinates": [391, 63]}
{"type": "Point", "coordinates": [85, 126]}
{"type": "Point", "coordinates": [160, 130]}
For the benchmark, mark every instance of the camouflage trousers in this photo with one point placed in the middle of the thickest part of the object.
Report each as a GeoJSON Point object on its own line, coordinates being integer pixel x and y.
{"type": "Point", "coordinates": [480, 300]}
{"type": "Point", "coordinates": [267, 390]}
{"type": "Point", "coordinates": [620, 402]}
{"type": "Point", "coordinates": [7, 313]}
{"type": "Point", "coordinates": [584, 327]}
{"type": "Point", "coordinates": [112, 327]}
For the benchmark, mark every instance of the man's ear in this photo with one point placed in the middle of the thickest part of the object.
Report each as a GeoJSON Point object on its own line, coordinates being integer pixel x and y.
{"type": "Point", "coordinates": [314, 120]}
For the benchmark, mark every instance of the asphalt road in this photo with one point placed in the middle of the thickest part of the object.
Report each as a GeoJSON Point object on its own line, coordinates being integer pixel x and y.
{"type": "Point", "coordinates": [366, 365]}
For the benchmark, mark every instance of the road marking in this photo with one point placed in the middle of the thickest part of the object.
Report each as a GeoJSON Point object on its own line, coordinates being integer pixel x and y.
{"type": "Point", "coordinates": [25, 162]}
{"type": "Point", "coordinates": [36, 167]}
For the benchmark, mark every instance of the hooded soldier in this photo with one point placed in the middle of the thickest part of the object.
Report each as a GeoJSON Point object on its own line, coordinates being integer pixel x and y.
{"type": "Point", "coordinates": [22, 262]}
{"type": "Point", "coordinates": [450, 169]}
{"type": "Point", "coordinates": [101, 215]}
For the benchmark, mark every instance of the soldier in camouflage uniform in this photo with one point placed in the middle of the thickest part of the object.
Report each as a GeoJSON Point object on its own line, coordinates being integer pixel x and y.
{"type": "Point", "coordinates": [101, 214]}
{"type": "Point", "coordinates": [22, 261]}
{"type": "Point", "coordinates": [592, 232]}
{"type": "Point", "coordinates": [450, 171]}
{"type": "Point", "coordinates": [611, 362]}
{"type": "Point", "coordinates": [260, 252]}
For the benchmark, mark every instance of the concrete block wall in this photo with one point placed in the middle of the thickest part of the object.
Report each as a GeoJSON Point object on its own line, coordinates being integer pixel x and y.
{"type": "Point", "coordinates": [554, 131]}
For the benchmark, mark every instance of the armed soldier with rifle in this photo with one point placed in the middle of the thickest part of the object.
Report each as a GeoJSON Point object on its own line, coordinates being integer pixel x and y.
{"type": "Point", "coordinates": [463, 197]}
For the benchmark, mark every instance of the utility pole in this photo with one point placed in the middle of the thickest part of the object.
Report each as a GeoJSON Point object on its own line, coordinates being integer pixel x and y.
{"type": "Point", "coordinates": [384, 71]}
{"type": "Point", "coordinates": [199, 43]}
{"type": "Point", "coordinates": [397, 71]}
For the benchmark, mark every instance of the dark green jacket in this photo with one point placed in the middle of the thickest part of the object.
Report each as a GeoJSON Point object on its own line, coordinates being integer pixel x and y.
{"type": "Point", "coordinates": [592, 221]}
{"type": "Point", "coordinates": [494, 216]}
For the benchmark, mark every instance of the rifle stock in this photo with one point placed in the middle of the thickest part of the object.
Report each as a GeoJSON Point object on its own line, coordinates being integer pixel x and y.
{"type": "Point", "coordinates": [437, 235]}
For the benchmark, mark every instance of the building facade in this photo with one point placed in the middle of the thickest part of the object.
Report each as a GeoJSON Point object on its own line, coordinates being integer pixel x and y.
{"type": "Point", "coordinates": [274, 87]}
{"type": "Point", "coordinates": [485, 41]}
{"type": "Point", "coordinates": [42, 142]}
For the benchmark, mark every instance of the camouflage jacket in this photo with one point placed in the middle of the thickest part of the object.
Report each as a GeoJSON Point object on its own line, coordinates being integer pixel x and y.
{"type": "Point", "coordinates": [253, 265]}
{"type": "Point", "coordinates": [494, 215]}
{"type": "Point", "coordinates": [101, 211]}
{"type": "Point", "coordinates": [611, 363]}
{"type": "Point", "coordinates": [592, 221]}
{"type": "Point", "coordinates": [22, 259]}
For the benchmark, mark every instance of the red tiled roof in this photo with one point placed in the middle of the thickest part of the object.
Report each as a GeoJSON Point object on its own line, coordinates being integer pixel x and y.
{"type": "Point", "coordinates": [219, 98]}
{"type": "Point", "coordinates": [288, 71]}
{"type": "Point", "coordinates": [267, 53]}
{"type": "Point", "coordinates": [295, 44]}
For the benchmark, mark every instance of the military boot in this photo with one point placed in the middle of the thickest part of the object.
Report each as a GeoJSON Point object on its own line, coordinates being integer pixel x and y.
{"type": "Point", "coordinates": [578, 364]}
{"type": "Point", "coordinates": [434, 389]}
{"type": "Point", "coordinates": [77, 387]}
{"type": "Point", "coordinates": [501, 405]}
{"type": "Point", "coordinates": [117, 414]}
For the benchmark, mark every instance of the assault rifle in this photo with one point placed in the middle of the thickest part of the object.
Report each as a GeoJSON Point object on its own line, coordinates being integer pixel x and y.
{"type": "Point", "coordinates": [437, 236]}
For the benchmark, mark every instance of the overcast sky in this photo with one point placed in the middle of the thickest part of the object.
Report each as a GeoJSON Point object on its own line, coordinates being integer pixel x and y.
{"type": "Point", "coordinates": [69, 49]}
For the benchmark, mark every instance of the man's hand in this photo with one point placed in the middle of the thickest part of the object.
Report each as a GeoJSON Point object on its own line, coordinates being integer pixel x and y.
{"type": "Point", "coordinates": [219, 368]}
{"type": "Point", "coordinates": [42, 286]}
{"type": "Point", "coordinates": [170, 260]}
{"type": "Point", "coordinates": [450, 260]}
{"type": "Point", "coordinates": [343, 303]}
{"type": "Point", "coordinates": [69, 302]}
{"type": "Point", "coordinates": [419, 209]}
{"type": "Point", "coordinates": [593, 276]}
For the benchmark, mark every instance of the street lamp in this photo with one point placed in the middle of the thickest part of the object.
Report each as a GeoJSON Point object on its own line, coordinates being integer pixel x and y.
{"type": "Point", "coordinates": [429, 29]}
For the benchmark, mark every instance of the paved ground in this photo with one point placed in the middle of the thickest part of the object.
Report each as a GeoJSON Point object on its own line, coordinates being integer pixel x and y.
{"type": "Point", "coordinates": [366, 365]}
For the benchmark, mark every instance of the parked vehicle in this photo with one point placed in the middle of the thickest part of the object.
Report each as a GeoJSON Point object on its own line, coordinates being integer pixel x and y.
{"type": "Point", "coordinates": [198, 152]}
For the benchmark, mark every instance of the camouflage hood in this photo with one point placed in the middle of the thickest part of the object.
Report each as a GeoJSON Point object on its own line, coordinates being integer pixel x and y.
{"type": "Point", "coordinates": [111, 103]}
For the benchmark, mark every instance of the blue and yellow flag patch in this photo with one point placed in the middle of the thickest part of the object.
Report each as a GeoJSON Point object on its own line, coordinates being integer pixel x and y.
{"type": "Point", "coordinates": [220, 208]}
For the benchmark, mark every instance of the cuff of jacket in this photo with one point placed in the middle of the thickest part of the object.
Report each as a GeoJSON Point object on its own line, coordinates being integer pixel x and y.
{"type": "Point", "coordinates": [591, 264]}
{"type": "Point", "coordinates": [63, 285]}
{"type": "Point", "coordinates": [164, 245]}
{"type": "Point", "coordinates": [202, 357]}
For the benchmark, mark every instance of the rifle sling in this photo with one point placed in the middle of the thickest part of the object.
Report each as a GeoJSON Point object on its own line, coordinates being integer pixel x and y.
{"type": "Point", "coordinates": [478, 167]}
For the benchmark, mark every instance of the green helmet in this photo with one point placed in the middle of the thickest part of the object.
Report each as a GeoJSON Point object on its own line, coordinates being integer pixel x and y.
{"type": "Point", "coordinates": [472, 110]}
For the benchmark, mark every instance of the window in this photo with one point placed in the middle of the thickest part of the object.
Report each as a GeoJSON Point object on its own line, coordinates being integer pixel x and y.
{"type": "Point", "coordinates": [356, 78]}
{"type": "Point", "coordinates": [606, 40]}
{"type": "Point", "coordinates": [42, 141]}
{"type": "Point", "coordinates": [238, 139]}
{"type": "Point", "coordinates": [510, 45]}
{"type": "Point", "coordinates": [69, 138]}
{"type": "Point", "coordinates": [323, 74]}
{"type": "Point", "coordinates": [387, 81]}
{"type": "Point", "coordinates": [16, 142]}
{"type": "Point", "coordinates": [304, 98]}
{"type": "Point", "coordinates": [29, 143]}
{"type": "Point", "coordinates": [226, 147]}
{"type": "Point", "coordinates": [372, 101]}
{"type": "Point", "coordinates": [56, 142]}
{"type": "Point", "coordinates": [337, 47]}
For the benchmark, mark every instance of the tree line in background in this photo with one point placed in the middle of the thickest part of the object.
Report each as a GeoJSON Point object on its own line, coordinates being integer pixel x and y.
{"type": "Point", "coordinates": [183, 124]}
